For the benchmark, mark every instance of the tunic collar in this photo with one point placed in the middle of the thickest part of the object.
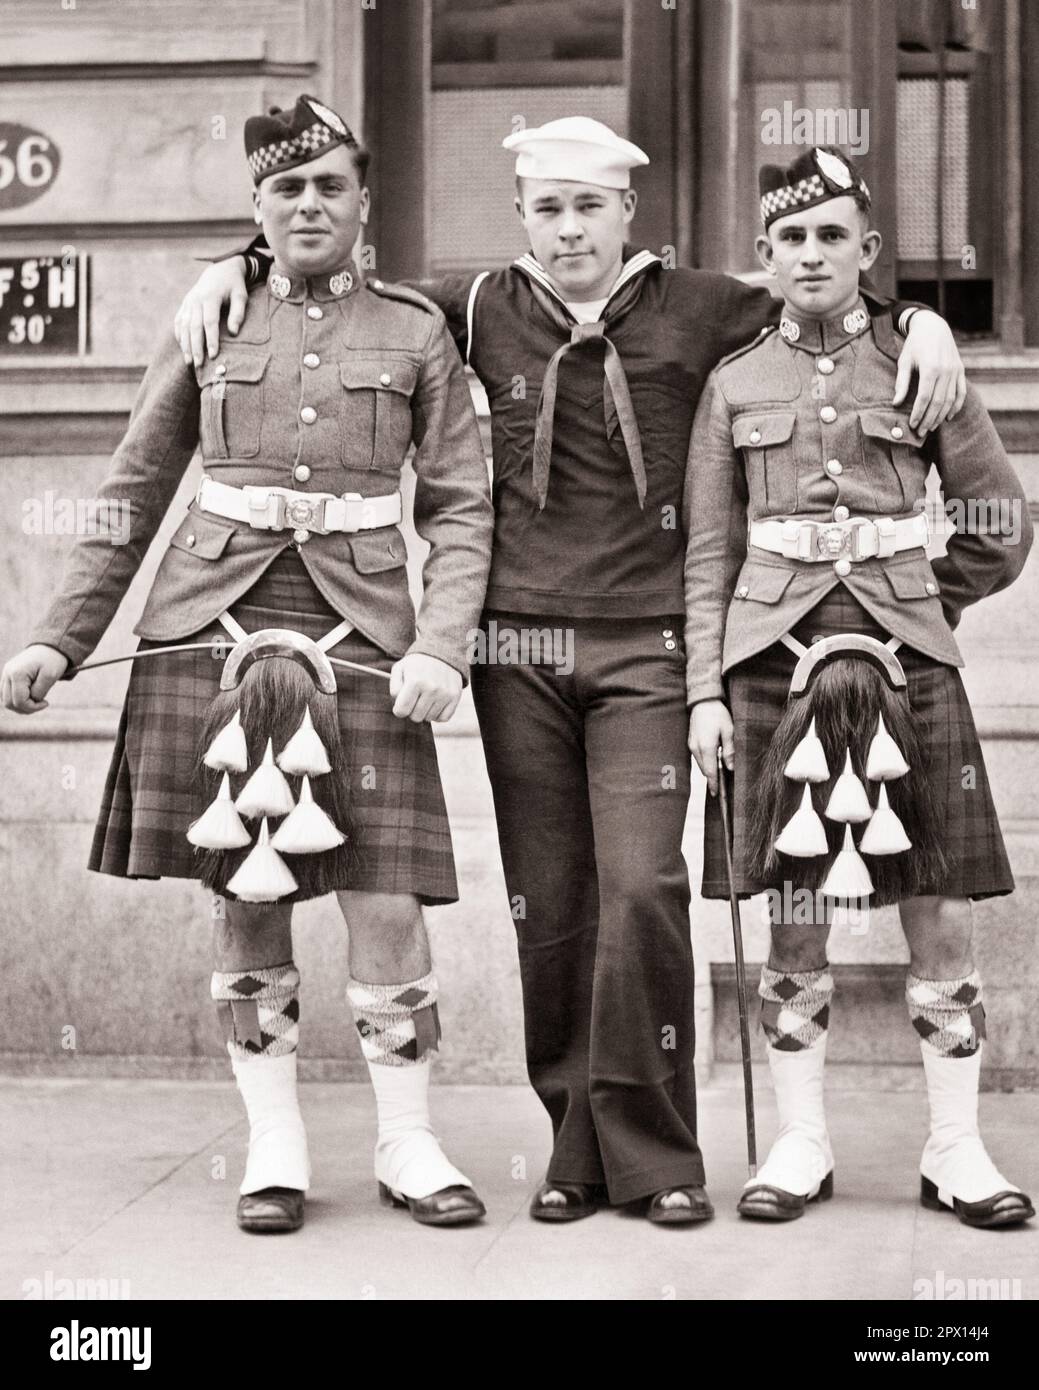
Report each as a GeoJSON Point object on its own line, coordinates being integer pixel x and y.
{"type": "Point", "coordinates": [823, 335]}
{"type": "Point", "coordinates": [336, 284]}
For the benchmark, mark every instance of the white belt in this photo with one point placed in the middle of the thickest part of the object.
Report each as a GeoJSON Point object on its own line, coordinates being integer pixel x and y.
{"type": "Point", "coordinates": [858, 538]}
{"type": "Point", "coordinates": [279, 508]}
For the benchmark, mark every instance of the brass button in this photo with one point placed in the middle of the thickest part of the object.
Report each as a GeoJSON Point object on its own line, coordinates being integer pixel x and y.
{"type": "Point", "coordinates": [385, 379]}
{"type": "Point", "coordinates": [931, 587]}
{"type": "Point", "coordinates": [843, 568]}
{"type": "Point", "coordinates": [670, 644]}
{"type": "Point", "coordinates": [827, 415]}
{"type": "Point", "coordinates": [896, 431]}
{"type": "Point", "coordinates": [189, 540]}
{"type": "Point", "coordinates": [668, 632]}
{"type": "Point", "coordinates": [755, 436]}
{"type": "Point", "coordinates": [300, 536]}
{"type": "Point", "coordinates": [301, 472]}
{"type": "Point", "coordinates": [742, 591]}
{"type": "Point", "coordinates": [841, 514]}
{"type": "Point", "coordinates": [308, 414]}
{"type": "Point", "coordinates": [311, 359]}
{"type": "Point", "coordinates": [834, 467]}
{"type": "Point", "coordinates": [315, 313]}
{"type": "Point", "coordinates": [825, 365]}
{"type": "Point", "coordinates": [376, 284]}
{"type": "Point", "coordinates": [220, 369]}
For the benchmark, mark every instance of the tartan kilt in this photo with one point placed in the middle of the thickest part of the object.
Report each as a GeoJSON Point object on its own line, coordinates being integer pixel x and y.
{"type": "Point", "coordinates": [401, 840]}
{"type": "Point", "coordinates": [757, 689]}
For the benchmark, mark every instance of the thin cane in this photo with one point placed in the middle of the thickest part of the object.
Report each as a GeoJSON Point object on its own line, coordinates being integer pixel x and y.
{"type": "Point", "coordinates": [741, 974]}
{"type": "Point", "coordinates": [207, 646]}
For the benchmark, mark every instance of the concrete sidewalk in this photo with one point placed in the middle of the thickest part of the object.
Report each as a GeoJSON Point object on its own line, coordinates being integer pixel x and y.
{"type": "Point", "coordinates": [134, 1182]}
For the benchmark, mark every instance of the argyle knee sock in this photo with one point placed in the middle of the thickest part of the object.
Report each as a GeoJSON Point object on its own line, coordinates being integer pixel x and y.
{"type": "Point", "coordinates": [399, 1027]}
{"type": "Point", "coordinates": [795, 1013]}
{"type": "Point", "coordinates": [949, 1016]}
{"type": "Point", "coordinates": [260, 1013]}
{"type": "Point", "coordinates": [795, 1007]}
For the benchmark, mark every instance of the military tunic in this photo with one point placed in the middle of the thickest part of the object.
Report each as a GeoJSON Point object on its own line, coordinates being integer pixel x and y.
{"type": "Point", "coordinates": [327, 385]}
{"type": "Point", "coordinates": [801, 424]}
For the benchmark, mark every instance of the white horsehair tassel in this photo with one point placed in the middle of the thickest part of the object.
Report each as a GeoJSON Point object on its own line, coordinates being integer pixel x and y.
{"type": "Point", "coordinates": [804, 834]}
{"type": "Point", "coordinates": [264, 876]}
{"type": "Point", "coordinates": [884, 762]}
{"type": "Point", "coordinates": [848, 876]}
{"type": "Point", "coordinates": [848, 800]}
{"type": "Point", "coordinates": [227, 752]}
{"type": "Point", "coordinates": [266, 793]}
{"type": "Point", "coordinates": [219, 826]}
{"type": "Point", "coordinates": [807, 763]}
{"type": "Point", "coordinates": [885, 833]}
{"type": "Point", "coordinates": [304, 752]}
{"type": "Point", "coordinates": [308, 829]}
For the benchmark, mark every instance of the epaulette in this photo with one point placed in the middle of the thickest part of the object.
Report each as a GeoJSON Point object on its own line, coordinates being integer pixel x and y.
{"type": "Point", "coordinates": [748, 347]}
{"type": "Point", "coordinates": [402, 292]}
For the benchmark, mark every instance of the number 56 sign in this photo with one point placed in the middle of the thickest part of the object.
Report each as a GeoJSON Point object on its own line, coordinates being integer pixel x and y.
{"type": "Point", "coordinates": [29, 164]}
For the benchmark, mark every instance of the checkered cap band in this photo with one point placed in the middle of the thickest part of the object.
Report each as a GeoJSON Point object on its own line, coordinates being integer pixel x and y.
{"type": "Point", "coordinates": [285, 154]}
{"type": "Point", "coordinates": [777, 202]}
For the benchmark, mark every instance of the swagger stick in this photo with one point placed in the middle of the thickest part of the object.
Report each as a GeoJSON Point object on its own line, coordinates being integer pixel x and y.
{"type": "Point", "coordinates": [205, 646]}
{"type": "Point", "coordinates": [741, 974]}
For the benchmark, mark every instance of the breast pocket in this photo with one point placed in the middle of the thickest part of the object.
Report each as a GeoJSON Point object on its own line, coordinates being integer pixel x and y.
{"type": "Point", "coordinates": [891, 458]}
{"type": "Point", "coordinates": [231, 407]}
{"type": "Point", "coordinates": [376, 405]}
{"type": "Point", "coordinates": [767, 442]}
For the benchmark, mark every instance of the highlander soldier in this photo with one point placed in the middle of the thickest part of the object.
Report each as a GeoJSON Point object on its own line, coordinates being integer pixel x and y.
{"type": "Point", "coordinates": [589, 767]}
{"type": "Point", "coordinates": [303, 424]}
{"type": "Point", "coordinates": [822, 660]}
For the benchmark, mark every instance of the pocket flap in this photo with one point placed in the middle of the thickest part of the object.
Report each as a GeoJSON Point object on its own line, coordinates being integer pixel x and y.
{"type": "Point", "coordinates": [239, 367]}
{"type": "Point", "coordinates": [378, 550]}
{"type": "Point", "coordinates": [379, 374]}
{"type": "Point", "coordinates": [202, 535]}
{"type": "Point", "coordinates": [910, 578]}
{"type": "Point", "coordinates": [760, 431]}
{"type": "Point", "coordinates": [890, 426]}
{"type": "Point", "coordinates": [763, 583]}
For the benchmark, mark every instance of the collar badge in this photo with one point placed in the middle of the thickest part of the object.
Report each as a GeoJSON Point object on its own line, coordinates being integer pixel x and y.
{"type": "Point", "coordinates": [855, 321]}
{"type": "Point", "coordinates": [281, 286]}
{"type": "Point", "coordinates": [342, 283]}
{"type": "Point", "coordinates": [790, 330]}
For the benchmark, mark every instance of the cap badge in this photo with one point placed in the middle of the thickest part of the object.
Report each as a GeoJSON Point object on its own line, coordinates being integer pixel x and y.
{"type": "Point", "coordinates": [342, 283]}
{"type": "Point", "coordinates": [790, 330]}
{"type": "Point", "coordinates": [281, 286]}
{"type": "Point", "coordinates": [835, 169]}
{"type": "Point", "coordinates": [855, 321]}
{"type": "Point", "coordinates": [326, 114]}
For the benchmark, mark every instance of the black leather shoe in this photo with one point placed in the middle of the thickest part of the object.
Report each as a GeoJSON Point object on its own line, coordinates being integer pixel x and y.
{"type": "Point", "coordinates": [767, 1203]}
{"type": "Point", "coordinates": [271, 1211]}
{"type": "Point", "coordinates": [451, 1206]}
{"type": "Point", "coordinates": [565, 1201]}
{"type": "Point", "coordinates": [696, 1208]}
{"type": "Point", "coordinates": [1006, 1208]}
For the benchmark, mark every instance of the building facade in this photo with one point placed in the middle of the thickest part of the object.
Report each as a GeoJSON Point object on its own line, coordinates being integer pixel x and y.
{"type": "Point", "coordinates": [121, 165]}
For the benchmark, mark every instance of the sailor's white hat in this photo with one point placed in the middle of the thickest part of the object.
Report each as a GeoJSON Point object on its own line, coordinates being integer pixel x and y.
{"type": "Point", "coordinates": [576, 149]}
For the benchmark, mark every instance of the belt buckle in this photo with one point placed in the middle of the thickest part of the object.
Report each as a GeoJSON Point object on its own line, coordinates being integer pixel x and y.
{"type": "Point", "coordinates": [306, 514]}
{"type": "Point", "coordinates": [831, 542]}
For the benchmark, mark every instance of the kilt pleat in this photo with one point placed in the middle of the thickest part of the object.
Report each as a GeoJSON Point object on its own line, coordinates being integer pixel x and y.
{"type": "Point", "coordinates": [757, 690]}
{"type": "Point", "coordinates": [401, 841]}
